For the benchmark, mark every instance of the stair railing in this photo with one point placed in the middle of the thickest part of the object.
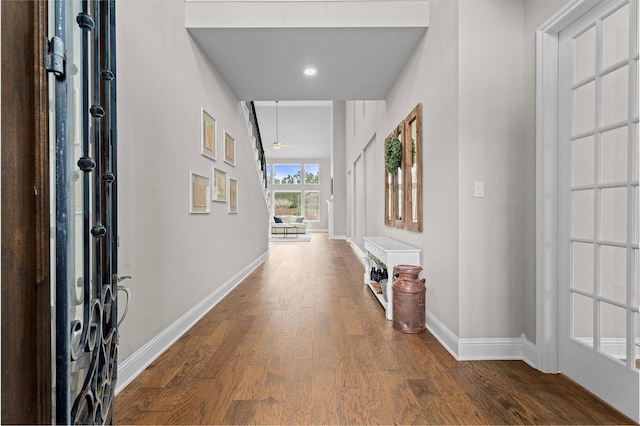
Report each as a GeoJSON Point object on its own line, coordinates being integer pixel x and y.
{"type": "Point", "coordinates": [253, 129]}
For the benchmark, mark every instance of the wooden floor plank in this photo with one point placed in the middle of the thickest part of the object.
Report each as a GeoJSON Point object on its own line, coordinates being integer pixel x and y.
{"type": "Point", "coordinates": [298, 400]}
{"type": "Point", "coordinates": [302, 341]}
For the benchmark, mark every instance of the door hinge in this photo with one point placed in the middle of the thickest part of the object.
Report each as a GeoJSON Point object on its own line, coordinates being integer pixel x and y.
{"type": "Point", "coordinates": [55, 56]}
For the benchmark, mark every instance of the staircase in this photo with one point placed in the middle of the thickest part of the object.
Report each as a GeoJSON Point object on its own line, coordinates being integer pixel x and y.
{"type": "Point", "coordinates": [251, 120]}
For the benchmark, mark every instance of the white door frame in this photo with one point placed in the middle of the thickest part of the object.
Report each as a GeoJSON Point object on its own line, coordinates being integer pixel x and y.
{"type": "Point", "coordinates": [547, 128]}
{"type": "Point", "coordinates": [547, 180]}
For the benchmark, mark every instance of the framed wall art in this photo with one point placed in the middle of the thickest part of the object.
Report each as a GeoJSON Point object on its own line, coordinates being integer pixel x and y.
{"type": "Point", "coordinates": [208, 135]}
{"type": "Point", "coordinates": [199, 193]}
{"type": "Point", "coordinates": [229, 149]}
{"type": "Point", "coordinates": [219, 189]}
{"type": "Point", "coordinates": [233, 196]}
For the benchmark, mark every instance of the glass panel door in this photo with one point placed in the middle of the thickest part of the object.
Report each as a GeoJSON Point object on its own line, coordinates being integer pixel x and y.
{"type": "Point", "coordinates": [598, 203]}
{"type": "Point", "coordinates": [83, 139]}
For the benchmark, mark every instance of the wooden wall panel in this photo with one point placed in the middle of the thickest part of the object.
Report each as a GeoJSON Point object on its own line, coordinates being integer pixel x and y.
{"type": "Point", "coordinates": [26, 348]}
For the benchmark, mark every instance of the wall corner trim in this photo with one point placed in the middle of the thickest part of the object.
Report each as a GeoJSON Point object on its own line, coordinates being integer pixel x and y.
{"type": "Point", "coordinates": [135, 364]}
{"type": "Point", "coordinates": [482, 349]}
{"type": "Point", "coordinates": [445, 336]}
{"type": "Point", "coordinates": [510, 348]}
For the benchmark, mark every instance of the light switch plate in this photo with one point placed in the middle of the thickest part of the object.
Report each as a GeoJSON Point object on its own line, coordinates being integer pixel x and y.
{"type": "Point", "coordinates": [478, 189]}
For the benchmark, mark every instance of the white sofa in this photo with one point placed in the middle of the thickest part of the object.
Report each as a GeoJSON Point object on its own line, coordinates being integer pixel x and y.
{"type": "Point", "coordinates": [287, 221]}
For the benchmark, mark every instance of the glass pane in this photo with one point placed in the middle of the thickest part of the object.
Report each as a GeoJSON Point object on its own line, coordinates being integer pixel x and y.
{"type": "Point", "coordinates": [636, 275]}
{"type": "Point", "coordinates": [389, 197]}
{"type": "Point", "coordinates": [614, 214]}
{"type": "Point", "coordinates": [311, 174]}
{"type": "Point", "coordinates": [582, 263]}
{"type": "Point", "coordinates": [268, 173]}
{"type": "Point", "coordinates": [582, 319]}
{"type": "Point", "coordinates": [585, 54]}
{"type": "Point", "coordinates": [635, 104]}
{"type": "Point", "coordinates": [414, 194]}
{"type": "Point", "coordinates": [286, 203]}
{"type": "Point", "coordinates": [613, 331]}
{"type": "Point", "coordinates": [583, 161]}
{"type": "Point", "coordinates": [312, 205]}
{"type": "Point", "coordinates": [614, 156]}
{"type": "Point", "coordinates": [399, 195]}
{"type": "Point", "coordinates": [636, 214]}
{"type": "Point", "coordinates": [613, 273]}
{"type": "Point", "coordinates": [81, 283]}
{"type": "Point", "coordinates": [284, 174]}
{"type": "Point", "coordinates": [399, 206]}
{"type": "Point", "coordinates": [585, 108]}
{"type": "Point", "coordinates": [615, 96]}
{"type": "Point", "coordinates": [635, 159]}
{"type": "Point", "coordinates": [637, 343]}
{"type": "Point", "coordinates": [413, 185]}
{"type": "Point", "coordinates": [615, 37]}
{"type": "Point", "coordinates": [583, 214]}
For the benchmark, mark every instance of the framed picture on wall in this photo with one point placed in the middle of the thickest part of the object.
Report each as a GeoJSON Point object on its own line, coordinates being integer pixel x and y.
{"type": "Point", "coordinates": [199, 190]}
{"type": "Point", "coordinates": [208, 135]}
{"type": "Point", "coordinates": [229, 149]}
{"type": "Point", "coordinates": [233, 196]}
{"type": "Point", "coordinates": [219, 189]}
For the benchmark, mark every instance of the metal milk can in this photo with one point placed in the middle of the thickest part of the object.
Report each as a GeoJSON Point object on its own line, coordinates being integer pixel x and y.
{"type": "Point", "coordinates": [408, 299]}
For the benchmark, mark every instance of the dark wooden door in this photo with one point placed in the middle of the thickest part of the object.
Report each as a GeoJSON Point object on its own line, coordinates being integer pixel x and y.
{"type": "Point", "coordinates": [26, 320]}
{"type": "Point", "coordinates": [74, 380]}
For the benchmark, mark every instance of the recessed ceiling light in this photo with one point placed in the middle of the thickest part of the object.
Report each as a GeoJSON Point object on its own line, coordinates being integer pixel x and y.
{"type": "Point", "coordinates": [309, 71]}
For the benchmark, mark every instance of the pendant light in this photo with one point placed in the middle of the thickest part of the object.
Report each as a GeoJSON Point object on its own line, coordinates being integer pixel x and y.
{"type": "Point", "coordinates": [277, 144]}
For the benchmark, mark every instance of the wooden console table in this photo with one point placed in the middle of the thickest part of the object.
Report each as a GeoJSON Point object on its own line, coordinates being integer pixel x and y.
{"type": "Point", "coordinates": [390, 253]}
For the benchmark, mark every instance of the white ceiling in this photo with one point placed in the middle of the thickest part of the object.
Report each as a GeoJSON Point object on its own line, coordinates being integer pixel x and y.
{"type": "Point", "coordinates": [267, 64]}
{"type": "Point", "coordinates": [261, 48]}
{"type": "Point", "coordinates": [304, 128]}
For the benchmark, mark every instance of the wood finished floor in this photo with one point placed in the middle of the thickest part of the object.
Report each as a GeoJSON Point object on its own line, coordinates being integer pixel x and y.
{"type": "Point", "coordinates": [302, 341]}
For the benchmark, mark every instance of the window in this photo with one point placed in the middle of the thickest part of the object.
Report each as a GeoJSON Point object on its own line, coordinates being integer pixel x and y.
{"type": "Point", "coordinates": [286, 203]}
{"type": "Point", "coordinates": [286, 174]}
{"type": "Point", "coordinates": [312, 205]}
{"type": "Point", "coordinates": [403, 183]}
{"type": "Point", "coordinates": [301, 196]}
{"type": "Point", "coordinates": [268, 173]}
{"type": "Point", "coordinates": [413, 170]}
{"type": "Point", "coordinates": [311, 174]}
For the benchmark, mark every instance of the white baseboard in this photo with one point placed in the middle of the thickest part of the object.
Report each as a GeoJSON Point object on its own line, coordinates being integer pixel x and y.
{"type": "Point", "coordinates": [339, 237]}
{"type": "Point", "coordinates": [135, 364]}
{"type": "Point", "coordinates": [318, 230]}
{"type": "Point", "coordinates": [476, 349]}
{"type": "Point", "coordinates": [445, 336]}
{"type": "Point", "coordinates": [529, 353]}
{"type": "Point", "coordinates": [510, 348]}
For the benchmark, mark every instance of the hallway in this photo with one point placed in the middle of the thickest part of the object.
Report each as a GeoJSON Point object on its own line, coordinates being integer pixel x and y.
{"type": "Point", "coordinates": [302, 341]}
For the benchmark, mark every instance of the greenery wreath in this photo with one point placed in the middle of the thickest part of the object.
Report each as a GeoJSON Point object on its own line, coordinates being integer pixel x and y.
{"type": "Point", "coordinates": [392, 154]}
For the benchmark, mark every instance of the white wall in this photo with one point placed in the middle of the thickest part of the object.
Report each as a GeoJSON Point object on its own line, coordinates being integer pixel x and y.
{"type": "Point", "coordinates": [430, 77]}
{"type": "Point", "coordinates": [339, 171]}
{"type": "Point", "coordinates": [497, 146]}
{"type": "Point", "coordinates": [176, 259]}
{"type": "Point", "coordinates": [492, 228]}
{"type": "Point", "coordinates": [474, 74]}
